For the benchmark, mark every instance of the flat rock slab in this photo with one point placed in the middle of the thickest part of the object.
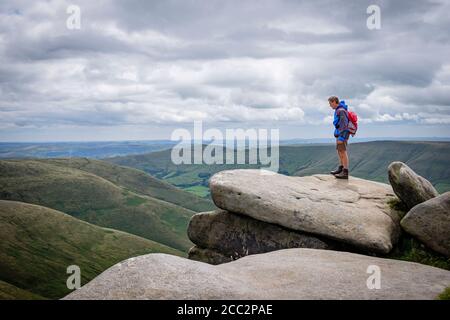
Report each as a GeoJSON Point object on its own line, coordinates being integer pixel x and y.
{"type": "Point", "coordinates": [353, 211]}
{"type": "Point", "coordinates": [283, 274]}
{"type": "Point", "coordinates": [236, 235]}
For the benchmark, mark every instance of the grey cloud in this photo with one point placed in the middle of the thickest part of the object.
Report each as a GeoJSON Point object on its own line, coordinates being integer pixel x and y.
{"type": "Point", "coordinates": [142, 62]}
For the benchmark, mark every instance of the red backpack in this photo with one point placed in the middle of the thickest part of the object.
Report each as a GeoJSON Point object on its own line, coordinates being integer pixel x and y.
{"type": "Point", "coordinates": [352, 122]}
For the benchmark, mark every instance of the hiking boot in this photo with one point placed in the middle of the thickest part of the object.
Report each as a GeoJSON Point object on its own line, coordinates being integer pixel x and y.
{"type": "Point", "coordinates": [338, 170]}
{"type": "Point", "coordinates": [342, 175]}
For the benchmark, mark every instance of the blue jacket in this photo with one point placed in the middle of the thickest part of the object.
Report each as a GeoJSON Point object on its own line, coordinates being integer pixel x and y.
{"type": "Point", "coordinates": [340, 120]}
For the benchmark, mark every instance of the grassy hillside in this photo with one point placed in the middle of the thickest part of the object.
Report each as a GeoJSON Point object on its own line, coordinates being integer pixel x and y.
{"type": "Point", "coordinates": [37, 244]}
{"type": "Point", "coordinates": [136, 181]}
{"type": "Point", "coordinates": [10, 292]}
{"type": "Point", "coordinates": [94, 199]}
{"type": "Point", "coordinates": [368, 160]}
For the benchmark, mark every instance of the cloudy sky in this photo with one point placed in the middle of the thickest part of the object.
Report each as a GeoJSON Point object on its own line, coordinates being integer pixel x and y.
{"type": "Point", "coordinates": [140, 69]}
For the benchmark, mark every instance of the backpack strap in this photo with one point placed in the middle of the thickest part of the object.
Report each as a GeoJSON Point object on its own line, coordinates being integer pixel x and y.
{"type": "Point", "coordinates": [345, 111]}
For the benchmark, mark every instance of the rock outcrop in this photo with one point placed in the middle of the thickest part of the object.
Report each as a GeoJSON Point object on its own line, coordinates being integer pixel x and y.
{"type": "Point", "coordinates": [229, 236]}
{"type": "Point", "coordinates": [430, 223]}
{"type": "Point", "coordinates": [354, 212]}
{"type": "Point", "coordinates": [410, 187]}
{"type": "Point", "coordinates": [261, 214]}
{"type": "Point", "coordinates": [283, 274]}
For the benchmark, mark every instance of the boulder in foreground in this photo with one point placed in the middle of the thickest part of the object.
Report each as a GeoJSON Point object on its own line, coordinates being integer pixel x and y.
{"type": "Point", "coordinates": [283, 274]}
{"type": "Point", "coordinates": [430, 223]}
{"type": "Point", "coordinates": [353, 211]}
{"type": "Point", "coordinates": [411, 188]}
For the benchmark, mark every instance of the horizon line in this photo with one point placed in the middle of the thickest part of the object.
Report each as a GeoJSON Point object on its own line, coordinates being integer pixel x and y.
{"type": "Point", "coordinates": [438, 138]}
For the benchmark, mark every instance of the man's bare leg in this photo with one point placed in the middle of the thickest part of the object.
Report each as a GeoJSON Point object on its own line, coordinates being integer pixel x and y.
{"type": "Point", "coordinates": [343, 156]}
{"type": "Point", "coordinates": [344, 159]}
{"type": "Point", "coordinates": [340, 157]}
{"type": "Point", "coordinates": [339, 169]}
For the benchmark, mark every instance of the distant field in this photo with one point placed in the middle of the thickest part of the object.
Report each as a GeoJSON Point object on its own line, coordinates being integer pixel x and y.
{"type": "Point", "coordinates": [200, 191]}
{"type": "Point", "coordinates": [106, 149]}
{"type": "Point", "coordinates": [94, 150]}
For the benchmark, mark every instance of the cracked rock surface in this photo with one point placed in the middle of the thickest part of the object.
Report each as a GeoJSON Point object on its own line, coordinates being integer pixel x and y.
{"type": "Point", "coordinates": [353, 211]}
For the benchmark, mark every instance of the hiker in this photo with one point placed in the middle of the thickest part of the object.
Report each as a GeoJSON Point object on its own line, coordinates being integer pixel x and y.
{"type": "Point", "coordinates": [341, 133]}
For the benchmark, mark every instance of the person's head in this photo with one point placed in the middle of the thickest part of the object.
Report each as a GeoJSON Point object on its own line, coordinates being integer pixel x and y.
{"type": "Point", "coordinates": [333, 101]}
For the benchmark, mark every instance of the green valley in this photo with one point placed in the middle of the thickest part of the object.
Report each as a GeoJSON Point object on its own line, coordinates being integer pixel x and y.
{"type": "Point", "coordinates": [126, 206]}
{"type": "Point", "coordinates": [37, 244]}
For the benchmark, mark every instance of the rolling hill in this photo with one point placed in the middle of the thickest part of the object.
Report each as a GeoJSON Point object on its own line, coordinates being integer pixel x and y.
{"type": "Point", "coordinates": [136, 181]}
{"type": "Point", "coordinates": [368, 160]}
{"type": "Point", "coordinates": [10, 292]}
{"type": "Point", "coordinates": [94, 199]}
{"type": "Point", "coordinates": [37, 244]}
